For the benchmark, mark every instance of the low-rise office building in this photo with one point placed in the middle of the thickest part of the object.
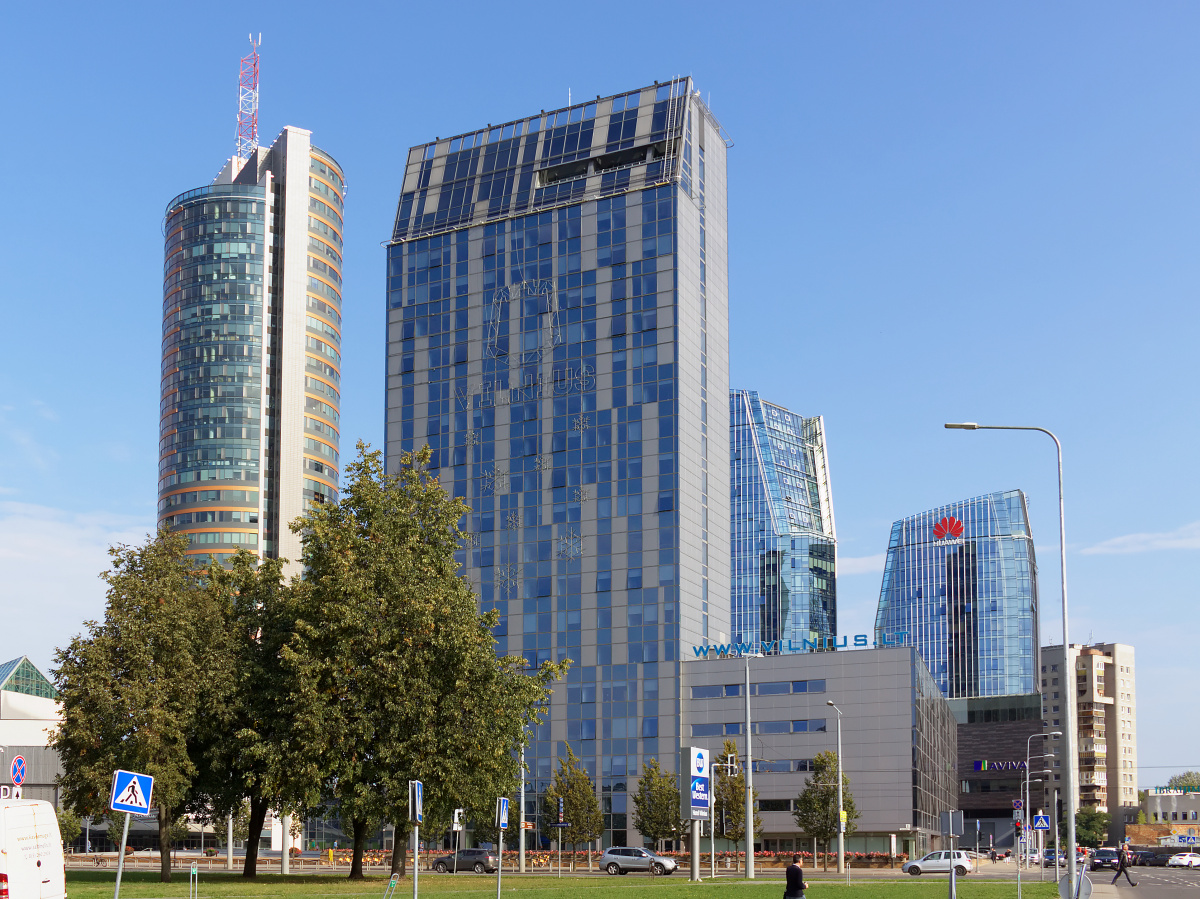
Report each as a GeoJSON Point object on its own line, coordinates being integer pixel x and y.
{"type": "Point", "coordinates": [899, 738]}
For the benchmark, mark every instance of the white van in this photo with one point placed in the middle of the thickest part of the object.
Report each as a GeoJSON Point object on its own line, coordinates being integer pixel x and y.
{"type": "Point", "coordinates": [31, 854]}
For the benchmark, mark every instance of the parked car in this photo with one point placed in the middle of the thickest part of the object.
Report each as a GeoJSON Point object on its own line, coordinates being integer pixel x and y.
{"type": "Point", "coordinates": [940, 863]}
{"type": "Point", "coordinates": [1049, 856]}
{"type": "Point", "coordinates": [1142, 857]}
{"type": "Point", "coordinates": [1184, 860]}
{"type": "Point", "coordinates": [478, 860]}
{"type": "Point", "coordinates": [1104, 858]}
{"type": "Point", "coordinates": [623, 859]}
{"type": "Point", "coordinates": [1158, 860]}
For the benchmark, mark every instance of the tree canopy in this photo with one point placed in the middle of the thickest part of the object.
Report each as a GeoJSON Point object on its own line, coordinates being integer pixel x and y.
{"type": "Point", "coordinates": [1185, 779]}
{"type": "Point", "coordinates": [136, 685]}
{"type": "Point", "coordinates": [394, 669]}
{"type": "Point", "coordinates": [816, 808]}
{"type": "Point", "coordinates": [656, 803]}
{"type": "Point", "coordinates": [1091, 826]}
{"type": "Point", "coordinates": [581, 809]}
{"type": "Point", "coordinates": [730, 797]}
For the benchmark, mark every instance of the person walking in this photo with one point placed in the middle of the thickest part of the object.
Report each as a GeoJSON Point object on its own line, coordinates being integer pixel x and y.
{"type": "Point", "coordinates": [795, 880]}
{"type": "Point", "coordinates": [1123, 867]}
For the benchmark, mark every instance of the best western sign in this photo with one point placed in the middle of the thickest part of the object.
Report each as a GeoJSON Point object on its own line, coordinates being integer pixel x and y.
{"type": "Point", "coordinates": [777, 647]}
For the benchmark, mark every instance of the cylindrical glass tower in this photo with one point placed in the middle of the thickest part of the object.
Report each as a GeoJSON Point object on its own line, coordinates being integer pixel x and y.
{"type": "Point", "coordinates": [251, 364]}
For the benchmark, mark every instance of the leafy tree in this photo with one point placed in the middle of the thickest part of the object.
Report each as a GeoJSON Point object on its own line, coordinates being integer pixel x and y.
{"type": "Point", "coordinates": [1141, 817]}
{"type": "Point", "coordinates": [253, 758]}
{"type": "Point", "coordinates": [1186, 779]}
{"type": "Point", "coordinates": [394, 672]}
{"type": "Point", "coordinates": [581, 810]}
{"type": "Point", "coordinates": [816, 811]}
{"type": "Point", "coordinates": [656, 803]}
{"type": "Point", "coordinates": [133, 688]}
{"type": "Point", "coordinates": [70, 826]}
{"type": "Point", "coordinates": [1091, 826]}
{"type": "Point", "coordinates": [730, 797]}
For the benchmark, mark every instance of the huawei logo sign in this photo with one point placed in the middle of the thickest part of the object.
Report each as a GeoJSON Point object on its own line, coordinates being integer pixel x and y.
{"type": "Point", "coordinates": [948, 527]}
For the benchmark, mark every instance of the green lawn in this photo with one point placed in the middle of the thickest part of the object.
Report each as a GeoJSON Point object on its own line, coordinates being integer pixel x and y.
{"type": "Point", "coordinates": [144, 885]}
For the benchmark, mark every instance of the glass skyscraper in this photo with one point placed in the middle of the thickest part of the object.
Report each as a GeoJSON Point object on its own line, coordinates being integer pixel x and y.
{"type": "Point", "coordinates": [557, 326]}
{"type": "Point", "coordinates": [783, 577]}
{"type": "Point", "coordinates": [251, 364]}
{"type": "Point", "coordinates": [960, 583]}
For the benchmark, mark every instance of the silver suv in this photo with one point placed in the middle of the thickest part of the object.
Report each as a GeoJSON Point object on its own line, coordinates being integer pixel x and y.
{"type": "Point", "coordinates": [623, 859]}
{"type": "Point", "coordinates": [940, 863]}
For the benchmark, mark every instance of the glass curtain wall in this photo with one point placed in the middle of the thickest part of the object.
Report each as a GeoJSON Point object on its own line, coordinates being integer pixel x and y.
{"type": "Point", "coordinates": [960, 584]}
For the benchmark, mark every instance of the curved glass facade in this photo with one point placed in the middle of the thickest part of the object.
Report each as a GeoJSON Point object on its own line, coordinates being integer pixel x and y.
{"type": "Point", "coordinates": [251, 356]}
{"type": "Point", "coordinates": [783, 578]}
{"type": "Point", "coordinates": [960, 583]}
{"type": "Point", "coordinates": [210, 427]}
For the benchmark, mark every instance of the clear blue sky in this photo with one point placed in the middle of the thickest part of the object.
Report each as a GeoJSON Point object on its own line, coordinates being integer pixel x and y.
{"type": "Point", "coordinates": [938, 211]}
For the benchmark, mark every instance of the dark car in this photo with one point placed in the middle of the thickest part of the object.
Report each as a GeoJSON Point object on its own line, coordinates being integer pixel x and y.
{"type": "Point", "coordinates": [1104, 858]}
{"type": "Point", "coordinates": [1144, 857]}
{"type": "Point", "coordinates": [478, 860]}
{"type": "Point", "coordinates": [1158, 861]}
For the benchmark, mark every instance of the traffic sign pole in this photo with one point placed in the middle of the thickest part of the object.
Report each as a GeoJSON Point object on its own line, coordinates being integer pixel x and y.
{"type": "Point", "coordinates": [121, 857]}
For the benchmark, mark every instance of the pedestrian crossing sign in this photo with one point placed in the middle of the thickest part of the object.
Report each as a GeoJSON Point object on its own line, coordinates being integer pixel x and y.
{"type": "Point", "coordinates": [1041, 822]}
{"type": "Point", "coordinates": [131, 792]}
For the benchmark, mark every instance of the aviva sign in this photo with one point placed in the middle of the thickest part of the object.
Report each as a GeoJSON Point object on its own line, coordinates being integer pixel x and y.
{"type": "Point", "coordinates": [987, 765]}
{"type": "Point", "coordinates": [777, 647]}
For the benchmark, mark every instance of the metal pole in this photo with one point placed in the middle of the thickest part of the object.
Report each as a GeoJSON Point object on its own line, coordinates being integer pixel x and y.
{"type": "Point", "coordinates": [1057, 845]}
{"type": "Point", "coordinates": [500, 856]}
{"type": "Point", "coordinates": [841, 824]}
{"type": "Point", "coordinates": [712, 833]}
{"type": "Point", "coordinates": [749, 784]}
{"type": "Point", "coordinates": [694, 865]}
{"type": "Point", "coordinates": [1069, 725]}
{"type": "Point", "coordinates": [416, 856]}
{"type": "Point", "coordinates": [229, 844]}
{"type": "Point", "coordinates": [521, 814]}
{"type": "Point", "coordinates": [285, 861]}
{"type": "Point", "coordinates": [121, 857]}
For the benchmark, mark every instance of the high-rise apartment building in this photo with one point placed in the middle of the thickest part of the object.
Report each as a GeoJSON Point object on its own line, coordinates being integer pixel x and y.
{"type": "Point", "coordinates": [557, 333]}
{"type": "Point", "coordinates": [251, 358]}
{"type": "Point", "coordinates": [783, 577]}
{"type": "Point", "coordinates": [960, 582]}
{"type": "Point", "coordinates": [1102, 678]}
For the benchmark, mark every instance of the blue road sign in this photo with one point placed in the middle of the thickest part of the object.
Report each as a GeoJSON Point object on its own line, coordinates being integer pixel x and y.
{"type": "Point", "coordinates": [502, 813]}
{"type": "Point", "coordinates": [1041, 822]}
{"type": "Point", "coordinates": [131, 792]}
{"type": "Point", "coordinates": [17, 771]}
{"type": "Point", "coordinates": [416, 802]}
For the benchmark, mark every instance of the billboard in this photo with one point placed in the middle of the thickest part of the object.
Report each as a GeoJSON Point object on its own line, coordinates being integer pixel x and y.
{"type": "Point", "coordinates": [699, 783]}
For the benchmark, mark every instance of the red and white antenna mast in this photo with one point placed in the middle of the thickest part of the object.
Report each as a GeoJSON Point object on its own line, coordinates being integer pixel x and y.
{"type": "Point", "coordinates": [247, 130]}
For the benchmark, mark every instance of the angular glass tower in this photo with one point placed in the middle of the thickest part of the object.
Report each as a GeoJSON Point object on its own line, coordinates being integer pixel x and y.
{"type": "Point", "coordinates": [557, 327]}
{"type": "Point", "coordinates": [960, 583]}
{"type": "Point", "coordinates": [251, 364]}
{"type": "Point", "coordinates": [783, 577]}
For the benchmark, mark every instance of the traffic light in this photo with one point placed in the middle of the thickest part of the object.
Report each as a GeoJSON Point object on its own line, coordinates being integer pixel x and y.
{"type": "Point", "coordinates": [1018, 823]}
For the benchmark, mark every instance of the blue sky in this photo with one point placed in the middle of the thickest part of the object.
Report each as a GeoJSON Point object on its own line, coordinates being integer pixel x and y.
{"type": "Point", "coordinates": [938, 212]}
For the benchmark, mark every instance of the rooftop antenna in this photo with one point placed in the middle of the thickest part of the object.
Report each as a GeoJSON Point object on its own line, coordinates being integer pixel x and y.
{"type": "Point", "coordinates": [247, 130]}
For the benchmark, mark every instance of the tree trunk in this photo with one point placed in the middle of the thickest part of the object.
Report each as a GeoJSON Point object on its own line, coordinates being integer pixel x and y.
{"type": "Point", "coordinates": [399, 851]}
{"type": "Point", "coordinates": [164, 844]}
{"type": "Point", "coordinates": [360, 842]}
{"type": "Point", "coordinates": [258, 817]}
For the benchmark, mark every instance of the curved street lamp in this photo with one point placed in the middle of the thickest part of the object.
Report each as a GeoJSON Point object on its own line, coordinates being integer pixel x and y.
{"type": "Point", "coordinates": [1072, 799]}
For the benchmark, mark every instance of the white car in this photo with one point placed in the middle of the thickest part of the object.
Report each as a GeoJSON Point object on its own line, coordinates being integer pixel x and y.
{"type": "Point", "coordinates": [940, 863]}
{"type": "Point", "coordinates": [1184, 860]}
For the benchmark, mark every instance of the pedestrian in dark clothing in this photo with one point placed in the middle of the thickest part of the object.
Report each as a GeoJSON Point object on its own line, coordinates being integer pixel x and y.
{"type": "Point", "coordinates": [993, 856]}
{"type": "Point", "coordinates": [795, 880]}
{"type": "Point", "coordinates": [1122, 867]}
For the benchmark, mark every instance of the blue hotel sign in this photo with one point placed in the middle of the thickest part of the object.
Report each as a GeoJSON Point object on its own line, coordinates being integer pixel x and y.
{"type": "Point", "coordinates": [778, 647]}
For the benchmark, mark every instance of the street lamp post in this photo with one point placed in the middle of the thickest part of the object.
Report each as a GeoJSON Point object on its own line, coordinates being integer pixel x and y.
{"type": "Point", "coordinates": [749, 776]}
{"type": "Point", "coordinates": [1029, 758]}
{"type": "Point", "coordinates": [1069, 722]}
{"type": "Point", "coordinates": [841, 823]}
